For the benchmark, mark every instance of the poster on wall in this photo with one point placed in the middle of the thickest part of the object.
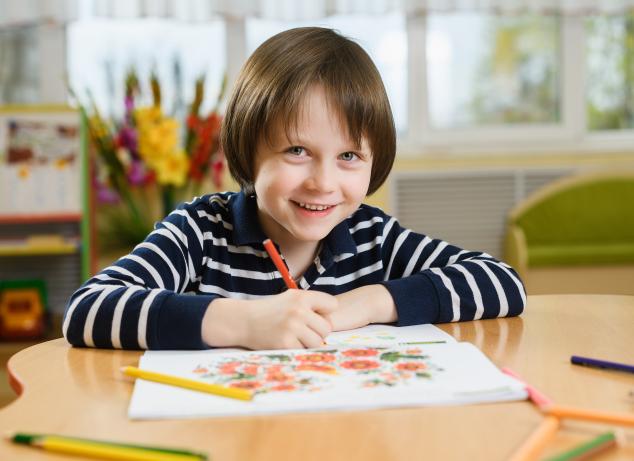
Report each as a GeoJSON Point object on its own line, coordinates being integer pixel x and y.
{"type": "Point", "coordinates": [40, 161]}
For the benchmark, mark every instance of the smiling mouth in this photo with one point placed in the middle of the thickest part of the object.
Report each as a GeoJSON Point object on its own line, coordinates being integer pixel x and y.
{"type": "Point", "coordinates": [313, 207]}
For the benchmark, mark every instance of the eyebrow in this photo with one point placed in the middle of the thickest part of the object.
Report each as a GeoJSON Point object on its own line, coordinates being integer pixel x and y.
{"type": "Point", "coordinates": [298, 141]}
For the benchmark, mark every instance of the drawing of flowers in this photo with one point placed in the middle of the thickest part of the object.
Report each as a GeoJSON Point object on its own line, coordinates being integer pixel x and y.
{"type": "Point", "coordinates": [250, 369]}
{"type": "Point", "coordinates": [316, 367]}
{"type": "Point", "coordinates": [410, 366]}
{"type": "Point", "coordinates": [249, 385]}
{"type": "Point", "coordinates": [318, 370]}
{"type": "Point", "coordinates": [228, 368]}
{"type": "Point", "coordinates": [360, 364]}
{"type": "Point", "coordinates": [284, 387]}
{"type": "Point", "coordinates": [367, 352]}
{"type": "Point", "coordinates": [278, 376]}
{"type": "Point", "coordinates": [393, 356]}
{"type": "Point", "coordinates": [278, 357]}
{"type": "Point", "coordinates": [316, 357]}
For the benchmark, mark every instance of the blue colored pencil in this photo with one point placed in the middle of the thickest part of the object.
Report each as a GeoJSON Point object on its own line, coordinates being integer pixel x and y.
{"type": "Point", "coordinates": [596, 363]}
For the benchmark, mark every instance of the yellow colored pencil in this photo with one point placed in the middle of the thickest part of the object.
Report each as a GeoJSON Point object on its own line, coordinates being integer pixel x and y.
{"type": "Point", "coordinates": [216, 389]}
{"type": "Point", "coordinates": [105, 450]}
{"type": "Point", "coordinates": [560, 411]}
{"type": "Point", "coordinates": [533, 446]}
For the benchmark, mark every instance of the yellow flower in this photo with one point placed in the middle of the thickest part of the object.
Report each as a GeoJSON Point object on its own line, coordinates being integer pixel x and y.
{"type": "Point", "coordinates": [157, 135]}
{"type": "Point", "coordinates": [148, 115]}
{"type": "Point", "coordinates": [172, 169]}
{"type": "Point", "coordinates": [99, 126]}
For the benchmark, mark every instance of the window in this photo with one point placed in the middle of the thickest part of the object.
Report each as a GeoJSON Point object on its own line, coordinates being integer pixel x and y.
{"type": "Point", "coordinates": [101, 52]}
{"type": "Point", "coordinates": [19, 81]}
{"type": "Point", "coordinates": [456, 80]}
{"type": "Point", "coordinates": [485, 70]}
{"type": "Point", "coordinates": [610, 72]}
{"type": "Point", "coordinates": [384, 38]}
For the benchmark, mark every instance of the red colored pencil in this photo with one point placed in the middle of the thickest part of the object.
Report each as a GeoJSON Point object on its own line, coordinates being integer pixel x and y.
{"type": "Point", "coordinates": [277, 260]}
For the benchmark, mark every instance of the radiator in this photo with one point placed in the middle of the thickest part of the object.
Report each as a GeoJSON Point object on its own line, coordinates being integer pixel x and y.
{"type": "Point", "coordinates": [467, 208]}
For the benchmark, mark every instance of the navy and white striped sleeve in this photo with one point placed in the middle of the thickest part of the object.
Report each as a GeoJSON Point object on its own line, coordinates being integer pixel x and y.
{"type": "Point", "coordinates": [432, 281]}
{"type": "Point", "coordinates": [139, 301]}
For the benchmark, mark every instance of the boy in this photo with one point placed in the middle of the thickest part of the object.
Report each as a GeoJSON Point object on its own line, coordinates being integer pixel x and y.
{"type": "Point", "coordinates": [308, 133]}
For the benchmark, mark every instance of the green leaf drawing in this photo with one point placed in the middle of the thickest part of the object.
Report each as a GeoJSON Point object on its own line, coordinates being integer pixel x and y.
{"type": "Point", "coordinates": [395, 356]}
{"type": "Point", "coordinates": [279, 357]}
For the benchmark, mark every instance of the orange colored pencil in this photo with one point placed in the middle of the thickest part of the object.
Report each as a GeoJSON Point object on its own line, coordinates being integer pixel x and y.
{"type": "Point", "coordinates": [621, 419]}
{"type": "Point", "coordinates": [277, 260]}
{"type": "Point", "coordinates": [533, 446]}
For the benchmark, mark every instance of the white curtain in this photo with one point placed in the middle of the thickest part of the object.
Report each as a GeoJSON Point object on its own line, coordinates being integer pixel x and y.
{"type": "Point", "coordinates": [19, 12]}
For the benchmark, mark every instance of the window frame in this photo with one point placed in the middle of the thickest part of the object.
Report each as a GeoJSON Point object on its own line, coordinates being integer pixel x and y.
{"type": "Point", "coordinates": [568, 136]}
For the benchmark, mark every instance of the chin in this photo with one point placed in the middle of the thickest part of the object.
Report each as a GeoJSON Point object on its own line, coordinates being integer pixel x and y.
{"type": "Point", "coordinates": [311, 236]}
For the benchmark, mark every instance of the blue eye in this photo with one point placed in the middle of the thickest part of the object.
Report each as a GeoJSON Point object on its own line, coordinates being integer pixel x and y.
{"type": "Point", "coordinates": [295, 150]}
{"type": "Point", "coordinates": [348, 156]}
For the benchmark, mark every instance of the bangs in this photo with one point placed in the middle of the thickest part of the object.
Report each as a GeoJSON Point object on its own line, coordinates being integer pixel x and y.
{"type": "Point", "coordinates": [355, 102]}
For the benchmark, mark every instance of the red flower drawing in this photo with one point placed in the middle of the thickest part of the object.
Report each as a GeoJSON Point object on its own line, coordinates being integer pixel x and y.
{"type": "Point", "coordinates": [246, 384]}
{"type": "Point", "coordinates": [284, 387]}
{"type": "Point", "coordinates": [316, 367]}
{"type": "Point", "coordinates": [315, 357]}
{"type": "Point", "coordinates": [410, 366]}
{"type": "Point", "coordinates": [360, 352]}
{"type": "Point", "coordinates": [360, 364]}
{"type": "Point", "coordinates": [278, 376]}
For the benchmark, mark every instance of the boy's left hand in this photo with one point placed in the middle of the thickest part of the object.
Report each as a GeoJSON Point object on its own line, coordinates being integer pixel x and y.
{"type": "Point", "coordinates": [362, 306]}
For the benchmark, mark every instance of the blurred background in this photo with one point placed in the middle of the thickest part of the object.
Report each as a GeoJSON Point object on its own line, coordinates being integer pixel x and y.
{"type": "Point", "coordinates": [515, 124]}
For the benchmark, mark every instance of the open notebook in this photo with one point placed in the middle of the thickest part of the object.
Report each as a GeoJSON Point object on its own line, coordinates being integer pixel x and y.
{"type": "Point", "coordinates": [373, 367]}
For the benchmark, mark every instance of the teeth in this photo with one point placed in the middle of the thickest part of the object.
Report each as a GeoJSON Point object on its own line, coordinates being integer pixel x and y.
{"type": "Point", "coordinates": [308, 206]}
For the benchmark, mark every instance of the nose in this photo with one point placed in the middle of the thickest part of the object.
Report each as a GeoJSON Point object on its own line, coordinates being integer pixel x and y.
{"type": "Point", "coordinates": [323, 177]}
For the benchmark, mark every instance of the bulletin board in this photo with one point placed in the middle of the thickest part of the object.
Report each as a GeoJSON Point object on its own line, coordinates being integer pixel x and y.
{"type": "Point", "coordinates": [40, 161]}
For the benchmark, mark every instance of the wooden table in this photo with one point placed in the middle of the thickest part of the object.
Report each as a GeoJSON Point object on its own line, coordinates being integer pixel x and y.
{"type": "Point", "coordinates": [81, 392]}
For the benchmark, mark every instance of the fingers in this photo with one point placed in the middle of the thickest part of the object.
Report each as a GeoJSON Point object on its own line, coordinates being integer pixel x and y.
{"type": "Point", "coordinates": [298, 319]}
{"type": "Point", "coordinates": [322, 303]}
{"type": "Point", "coordinates": [310, 339]}
{"type": "Point", "coordinates": [319, 324]}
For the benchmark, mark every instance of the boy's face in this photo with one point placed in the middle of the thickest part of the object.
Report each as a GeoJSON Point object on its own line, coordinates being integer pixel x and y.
{"type": "Point", "coordinates": [308, 184]}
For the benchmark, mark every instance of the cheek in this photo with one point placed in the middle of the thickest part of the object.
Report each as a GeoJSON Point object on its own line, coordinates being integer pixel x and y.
{"type": "Point", "coordinates": [359, 184]}
{"type": "Point", "coordinates": [271, 179]}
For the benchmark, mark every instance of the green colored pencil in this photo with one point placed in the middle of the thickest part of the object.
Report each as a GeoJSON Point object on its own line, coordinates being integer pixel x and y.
{"type": "Point", "coordinates": [423, 342]}
{"type": "Point", "coordinates": [104, 449]}
{"type": "Point", "coordinates": [587, 449]}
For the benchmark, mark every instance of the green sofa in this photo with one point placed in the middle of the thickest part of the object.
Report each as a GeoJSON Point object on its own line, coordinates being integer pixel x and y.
{"type": "Point", "coordinates": [582, 220]}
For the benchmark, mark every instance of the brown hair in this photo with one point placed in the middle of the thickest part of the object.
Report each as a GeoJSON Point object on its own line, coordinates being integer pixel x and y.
{"type": "Point", "coordinates": [274, 81]}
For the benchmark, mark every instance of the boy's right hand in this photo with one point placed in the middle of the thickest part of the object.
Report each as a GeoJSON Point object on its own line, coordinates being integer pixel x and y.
{"type": "Point", "coordinates": [291, 320]}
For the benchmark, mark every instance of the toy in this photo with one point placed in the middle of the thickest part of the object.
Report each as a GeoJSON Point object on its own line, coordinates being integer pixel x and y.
{"type": "Point", "coordinates": [22, 309]}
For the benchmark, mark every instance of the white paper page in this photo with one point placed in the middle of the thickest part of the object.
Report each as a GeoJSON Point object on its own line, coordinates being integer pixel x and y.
{"type": "Point", "coordinates": [388, 335]}
{"type": "Point", "coordinates": [326, 379]}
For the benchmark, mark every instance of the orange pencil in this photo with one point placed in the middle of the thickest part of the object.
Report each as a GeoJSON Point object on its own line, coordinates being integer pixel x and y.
{"type": "Point", "coordinates": [621, 419]}
{"type": "Point", "coordinates": [277, 260]}
{"type": "Point", "coordinates": [533, 446]}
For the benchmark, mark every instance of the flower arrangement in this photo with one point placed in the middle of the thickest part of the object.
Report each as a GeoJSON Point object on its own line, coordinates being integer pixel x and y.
{"type": "Point", "coordinates": [148, 159]}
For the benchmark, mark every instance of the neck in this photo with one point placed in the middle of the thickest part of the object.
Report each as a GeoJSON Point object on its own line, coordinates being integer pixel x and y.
{"type": "Point", "coordinates": [299, 256]}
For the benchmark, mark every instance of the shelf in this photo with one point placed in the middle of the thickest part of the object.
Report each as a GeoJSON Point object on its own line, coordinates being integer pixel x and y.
{"type": "Point", "coordinates": [26, 250]}
{"type": "Point", "coordinates": [39, 245]}
{"type": "Point", "coordinates": [39, 218]}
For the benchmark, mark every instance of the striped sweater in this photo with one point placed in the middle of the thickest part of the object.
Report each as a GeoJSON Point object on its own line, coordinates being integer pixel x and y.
{"type": "Point", "coordinates": [155, 297]}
